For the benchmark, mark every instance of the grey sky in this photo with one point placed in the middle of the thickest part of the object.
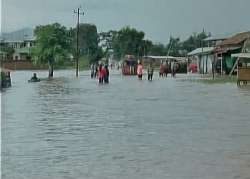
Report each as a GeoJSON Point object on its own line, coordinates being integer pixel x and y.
{"type": "Point", "coordinates": [157, 18]}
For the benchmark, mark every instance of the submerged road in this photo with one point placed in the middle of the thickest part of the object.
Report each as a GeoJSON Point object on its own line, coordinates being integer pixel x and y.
{"type": "Point", "coordinates": [74, 128]}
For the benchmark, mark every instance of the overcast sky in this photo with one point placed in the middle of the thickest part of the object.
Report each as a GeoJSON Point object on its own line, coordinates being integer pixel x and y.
{"type": "Point", "coordinates": [157, 18]}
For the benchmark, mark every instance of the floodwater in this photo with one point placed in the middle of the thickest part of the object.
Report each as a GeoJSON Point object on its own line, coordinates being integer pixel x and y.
{"type": "Point", "coordinates": [73, 128]}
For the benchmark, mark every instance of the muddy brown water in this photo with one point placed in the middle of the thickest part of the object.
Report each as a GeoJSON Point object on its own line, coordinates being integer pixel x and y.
{"type": "Point", "coordinates": [71, 127]}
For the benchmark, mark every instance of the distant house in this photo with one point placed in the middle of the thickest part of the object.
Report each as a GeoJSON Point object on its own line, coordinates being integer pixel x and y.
{"type": "Point", "coordinates": [21, 54]}
{"type": "Point", "coordinates": [3, 55]}
{"type": "Point", "coordinates": [21, 41]}
{"type": "Point", "coordinates": [218, 52]}
{"type": "Point", "coordinates": [213, 41]}
{"type": "Point", "coordinates": [22, 48]}
{"type": "Point", "coordinates": [226, 48]}
{"type": "Point", "coordinates": [203, 58]}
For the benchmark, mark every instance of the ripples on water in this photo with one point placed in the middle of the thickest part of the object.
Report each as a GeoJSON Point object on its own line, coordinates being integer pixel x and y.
{"type": "Point", "coordinates": [168, 128]}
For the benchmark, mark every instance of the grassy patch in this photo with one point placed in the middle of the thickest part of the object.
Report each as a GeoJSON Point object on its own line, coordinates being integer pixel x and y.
{"type": "Point", "coordinates": [215, 80]}
{"type": "Point", "coordinates": [83, 64]}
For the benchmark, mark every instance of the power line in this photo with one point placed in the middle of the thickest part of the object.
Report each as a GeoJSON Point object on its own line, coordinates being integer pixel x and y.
{"type": "Point", "coordinates": [78, 12]}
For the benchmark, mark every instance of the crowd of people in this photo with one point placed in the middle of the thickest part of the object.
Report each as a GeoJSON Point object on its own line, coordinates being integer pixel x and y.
{"type": "Point", "coordinates": [164, 69]}
{"type": "Point", "coordinates": [101, 72]}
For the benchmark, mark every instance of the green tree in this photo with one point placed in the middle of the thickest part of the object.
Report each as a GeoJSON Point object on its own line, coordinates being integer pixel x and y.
{"type": "Point", "coordinates": [147, 46]}
{"type": "Point", "coordinates": [52, 45]}
{"type": "Point", "coordinates": [128, 41]}
{"type": "Point", "coordinates": [195, 41]}
{"type": "Point", "coordinates": [8, 50]}
{"type": "Point", "coordinates": [157, 49]}
{"type": "Point", "coordinates": [106, 42]}
{"type": "Point", "coordinates": [88, 41]}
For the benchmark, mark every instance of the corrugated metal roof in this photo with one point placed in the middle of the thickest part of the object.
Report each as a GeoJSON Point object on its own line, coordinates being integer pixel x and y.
{"type": "Point", "coordinates": [165, 58]}
{"type": "Point", "coordinates": [218, 37]}
{"type": "Point", "coordinates": [159, 57]}
{"type": "Point", "coordinates": [199, 51]}
{"type": "Point", "coordinates": [241, 55]}
{"type": "Point", "coordinates": [236, 39]}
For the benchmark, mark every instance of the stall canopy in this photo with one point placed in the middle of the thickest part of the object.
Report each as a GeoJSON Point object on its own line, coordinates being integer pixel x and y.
{"type": "Point", "coordinates": [246, 53]}
{"type": "Point", "coordinates": [165, 58]}
{"type": "Point", "coordinates": [201, 51]}
{"type": "Point", "coordinates": [241, 55]}
{"type": "Point", "coordinates": [236, 40]}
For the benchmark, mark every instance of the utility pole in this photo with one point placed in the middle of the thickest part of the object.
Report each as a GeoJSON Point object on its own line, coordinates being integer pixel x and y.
{"type": "Point", "coordinates": [78, 12]}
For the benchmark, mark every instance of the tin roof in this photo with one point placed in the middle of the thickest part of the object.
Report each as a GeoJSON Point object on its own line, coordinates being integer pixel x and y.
{"type": "Point", "coordinates": [200, 51]}
{"type": "Point", "coordinates": [159, 57]}
{"type": "Point", "coordinates": [218, 37]}
{"type": "Point", "coordinates": [241, 55]}
{"type": "Point", "coordinates": [165, 58]}
{"type": "Point", "coordinates": [236, 39]}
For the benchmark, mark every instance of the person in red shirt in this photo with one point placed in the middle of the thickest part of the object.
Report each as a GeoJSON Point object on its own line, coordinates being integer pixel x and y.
{"type": "Point", "coordinates": [161, 72]}
{"type": "Point", "coordinates": [100, 73]}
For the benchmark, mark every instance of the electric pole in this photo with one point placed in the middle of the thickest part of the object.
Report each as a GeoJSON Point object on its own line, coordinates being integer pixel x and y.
{"type": "Point", "coordinates": [78, 12]}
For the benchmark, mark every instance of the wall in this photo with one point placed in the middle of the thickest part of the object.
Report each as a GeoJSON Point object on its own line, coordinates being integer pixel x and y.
{"type": "Point", "coordinates": [22, 65]}
{"type": "Point", "coordinates": [205, 64]}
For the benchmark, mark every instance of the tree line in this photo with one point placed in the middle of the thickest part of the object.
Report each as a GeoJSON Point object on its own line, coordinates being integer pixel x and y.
{"type": "Point", "coordinates": [56, 44]}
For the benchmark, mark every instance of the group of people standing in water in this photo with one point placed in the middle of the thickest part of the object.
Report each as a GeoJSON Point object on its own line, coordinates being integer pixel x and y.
{"type": "Point", "coordinates": [101, 72]}
{"type": "Point", "coordinates": [150, 71]}
{"type": "Point", "coordinates": [166, 68]}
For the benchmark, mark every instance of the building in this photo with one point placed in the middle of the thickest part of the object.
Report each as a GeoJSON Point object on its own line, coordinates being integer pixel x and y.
{"type": "Point", "coordinates": [226, 48]}
{"type": "Point", "coordinates": [214, 40]}
{"type": "Point", "coordinates": [3, 55]}
{"type": "Point", "coordinates": [22, 48]}
{"type": "Point", "coordinates": [20, 41]}
{"type": "Point", "coordinates": [203, 58]}
{"type": "Point", "coordinates": [243, 64]}
{"type": "Point", "coordinates": [217, 56]}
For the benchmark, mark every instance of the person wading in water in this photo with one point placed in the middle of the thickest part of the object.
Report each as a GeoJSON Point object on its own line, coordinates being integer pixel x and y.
{"type": "Point", "coordinates": [139, 71]}
{"type": "Point", "coordinates": [150, 72]}
{"type": "Point", "coordinates": [101, 73]}
{"type": "Point", "coordinates": [106, 75]}
{"type": "Point", "coordinates": [161, 72]}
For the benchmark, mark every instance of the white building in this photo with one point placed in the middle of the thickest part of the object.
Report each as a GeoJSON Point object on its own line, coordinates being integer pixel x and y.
{"type": "Point", "coordinates": [204, 58]}
{"type": "Point", "coordinates": [22, 48]}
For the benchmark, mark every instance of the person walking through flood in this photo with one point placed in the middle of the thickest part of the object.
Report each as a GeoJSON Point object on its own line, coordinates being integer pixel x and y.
{"type": "Point", "coordinates": [174, 67]}
{"type": "Point", "coordinates": [101, 73]}
{"type": "Point", "coordinates": [92, 68]}
{"type": "Point", "coordinates": [161, 72]}
{"type": "Point", "coordinates": [166, 69]}
{"type": "Point", "coordinates": [96, 71]}
{"type": "Point", "coordinates": [139, 71]}
{"type": "Point", "coordinates": [106, 75]}
{"type": "Point", "coordinates": [150, 72]}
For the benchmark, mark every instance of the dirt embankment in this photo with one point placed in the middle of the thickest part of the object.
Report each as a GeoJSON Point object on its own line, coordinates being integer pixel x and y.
{"type": "Point", "coordinates": [22, 65]}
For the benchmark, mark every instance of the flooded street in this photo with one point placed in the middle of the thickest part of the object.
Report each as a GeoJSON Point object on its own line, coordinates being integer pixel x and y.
{"type": "Point", "coordinates": [169, 128]}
